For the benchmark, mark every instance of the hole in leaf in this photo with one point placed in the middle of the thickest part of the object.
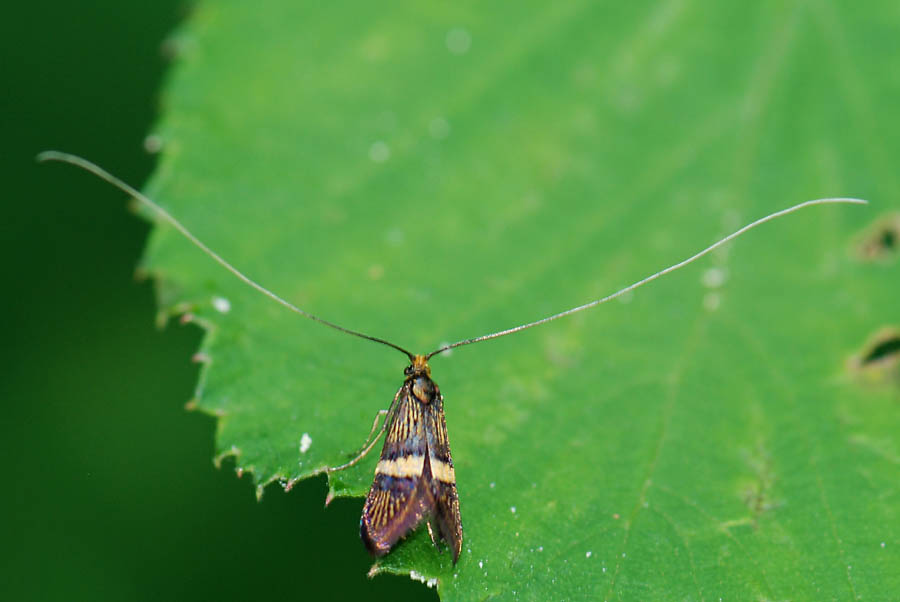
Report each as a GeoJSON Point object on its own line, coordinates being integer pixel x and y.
{"type": "Point", "coordinates": [882, 240]}
{"type": "Point", "coordinates": [879, 359]}
{"type": "Point", "coordinates": [883, 351]}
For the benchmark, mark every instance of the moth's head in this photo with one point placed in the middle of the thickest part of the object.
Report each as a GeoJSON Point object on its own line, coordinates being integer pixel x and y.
{"type": "Point", "coordinates": [418, 367]}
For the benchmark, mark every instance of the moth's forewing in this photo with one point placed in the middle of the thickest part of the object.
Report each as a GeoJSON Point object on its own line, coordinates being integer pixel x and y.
{"type": "Point", "coordinates": [443, 482]}
{"type": "Point", "coordinates": [394, 504]}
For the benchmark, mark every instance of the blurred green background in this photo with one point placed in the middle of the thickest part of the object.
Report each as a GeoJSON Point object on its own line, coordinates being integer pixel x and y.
{"type": "Point", "coordinates": [111, 492]}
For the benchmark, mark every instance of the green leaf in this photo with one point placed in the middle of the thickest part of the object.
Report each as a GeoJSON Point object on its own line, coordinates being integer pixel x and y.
{"type": "Point", "coordinates": [429, 173]}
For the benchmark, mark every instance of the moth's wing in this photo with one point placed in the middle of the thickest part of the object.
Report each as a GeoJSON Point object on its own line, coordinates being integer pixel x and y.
{"type": "Point", "coordinates": [443, 478]}
{"type": "Point", "coordinates": [399, 497]}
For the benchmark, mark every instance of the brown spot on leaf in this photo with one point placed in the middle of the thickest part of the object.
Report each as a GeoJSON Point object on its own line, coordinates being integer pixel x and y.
{"type": "Point", "coordinates": [881, 241]}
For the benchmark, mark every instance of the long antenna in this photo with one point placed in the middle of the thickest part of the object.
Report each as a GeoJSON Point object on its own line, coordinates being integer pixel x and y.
{"type": "Point", "coordinates": [166, 216]}
{"type": "Point", "coordinates": [639, 283]}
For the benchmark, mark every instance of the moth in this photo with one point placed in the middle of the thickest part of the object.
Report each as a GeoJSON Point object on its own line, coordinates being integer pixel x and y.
{"type": "Point", "coordinates": [414, 481]}
{"type": "Point", "coordinates": [414, 478]}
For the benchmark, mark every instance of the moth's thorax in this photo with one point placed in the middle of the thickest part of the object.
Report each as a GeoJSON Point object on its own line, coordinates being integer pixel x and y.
{"type": "Point", "coordinates": [423, 388]}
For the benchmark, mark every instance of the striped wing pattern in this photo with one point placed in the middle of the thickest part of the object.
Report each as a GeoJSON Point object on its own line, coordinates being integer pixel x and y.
{"type": "Point", "coordinates": [414, 479]}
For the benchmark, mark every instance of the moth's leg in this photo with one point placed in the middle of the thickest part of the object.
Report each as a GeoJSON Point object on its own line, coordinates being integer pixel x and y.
{"type": "Point", "coordinates": [367, 447]}
{"type": "Point", "coordinates": [359, 456]}
{"type": "Point", "coordinates": [378, 415]}
{"type": "Point", "coordinates": [431, 534]}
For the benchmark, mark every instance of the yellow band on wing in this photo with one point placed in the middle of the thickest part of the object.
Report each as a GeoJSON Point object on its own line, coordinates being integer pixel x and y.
{"type": "Point", "coordinates": [412, 466]}
{"type": "Point", "coordinates": [408, 466]}
{"type": "Point", "coordinates": [442, 471]}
